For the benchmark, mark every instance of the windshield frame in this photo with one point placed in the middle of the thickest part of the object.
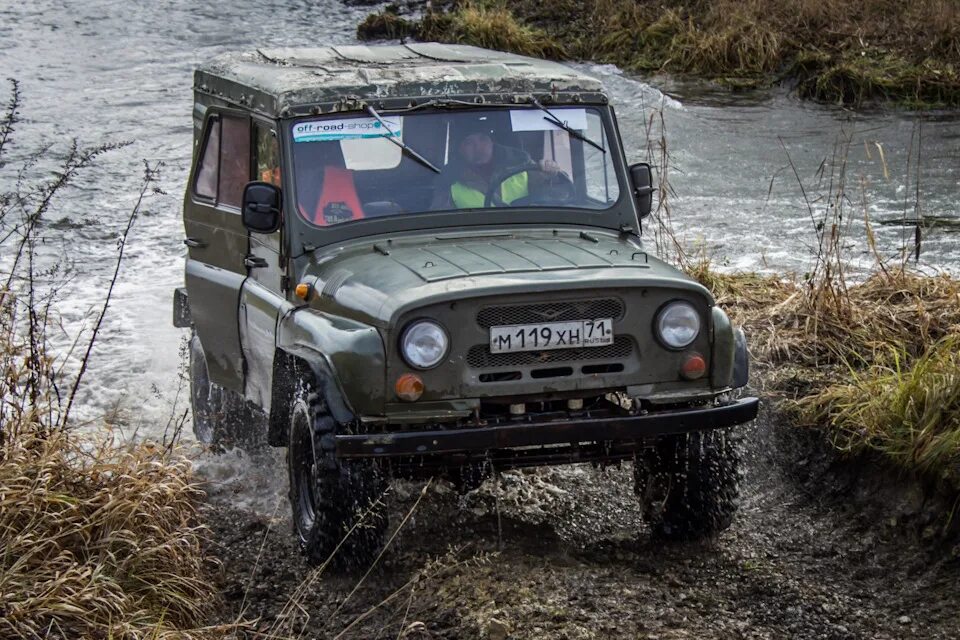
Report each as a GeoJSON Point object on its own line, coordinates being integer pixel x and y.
{"type": "Point", "coordinates": [306, 236]}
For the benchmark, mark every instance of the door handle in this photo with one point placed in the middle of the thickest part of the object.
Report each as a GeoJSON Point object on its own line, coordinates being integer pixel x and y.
{"type": "Point", "coordinates": [194, 243]}
{"type": "Point", "coordinates": [254, 262]}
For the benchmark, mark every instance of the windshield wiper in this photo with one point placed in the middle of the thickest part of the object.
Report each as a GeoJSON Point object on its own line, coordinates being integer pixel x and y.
{"type": "Point", "coordinates": [392, 138]}
{"type": "Point", "coordinates": [559, 123]}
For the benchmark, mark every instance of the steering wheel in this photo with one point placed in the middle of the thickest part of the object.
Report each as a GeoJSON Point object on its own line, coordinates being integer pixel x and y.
{"type": "Point", "coordinates": [555, 187]}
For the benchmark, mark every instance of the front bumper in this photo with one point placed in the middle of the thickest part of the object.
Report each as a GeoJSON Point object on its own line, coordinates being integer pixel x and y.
{"type": "Point", "coordinates": [477, 440]}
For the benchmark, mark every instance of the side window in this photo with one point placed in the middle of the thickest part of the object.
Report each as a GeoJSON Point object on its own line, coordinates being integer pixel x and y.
{"type": "Point", "coordinates": [234, 160]}
{"type": "Point", "coordinates": [206, 185]}
{"type": "Point", "coordinates": [225, 160]}
{"type": "Point", "coordinates": [268, 154]}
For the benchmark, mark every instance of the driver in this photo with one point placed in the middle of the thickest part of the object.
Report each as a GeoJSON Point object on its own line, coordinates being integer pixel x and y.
{"type": "Point", "coordinates": [480, 161]}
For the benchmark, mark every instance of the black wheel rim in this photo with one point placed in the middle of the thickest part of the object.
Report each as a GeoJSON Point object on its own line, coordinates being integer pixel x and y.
{"type": "Point", "coordinates": [302, 472]}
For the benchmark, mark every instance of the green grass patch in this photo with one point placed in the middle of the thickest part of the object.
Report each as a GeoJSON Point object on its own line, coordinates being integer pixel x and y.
{"type": "Point", "coordinates": [855, 78]}
{"type": "Point", "coordinates": [908, 410]}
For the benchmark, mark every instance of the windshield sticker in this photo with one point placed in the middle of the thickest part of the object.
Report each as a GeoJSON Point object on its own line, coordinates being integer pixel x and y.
{"type": "Point", "coordinates": [346, 129]}
{"type": "Point", "coordinates": [536, 120]}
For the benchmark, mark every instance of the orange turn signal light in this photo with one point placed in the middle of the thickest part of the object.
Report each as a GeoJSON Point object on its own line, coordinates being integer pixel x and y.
{"type": "Point", "coordinates": [693, 367]}
{"type": "Point", "coordinates": [409, 387]}
{"type": "Point", "coordinates": [302, 290]}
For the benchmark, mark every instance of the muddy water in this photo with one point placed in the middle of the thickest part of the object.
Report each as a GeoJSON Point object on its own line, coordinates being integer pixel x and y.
{"type": "Point", "coordinates": [737, 163]}
{"type": "Point", "coordinates": [114, 71]}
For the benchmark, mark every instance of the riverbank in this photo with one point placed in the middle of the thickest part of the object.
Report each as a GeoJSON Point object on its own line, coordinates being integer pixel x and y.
{"type": "Point", "coordinates": [872, 365]}
{"type": "Point", "coordinates": [841, 52]}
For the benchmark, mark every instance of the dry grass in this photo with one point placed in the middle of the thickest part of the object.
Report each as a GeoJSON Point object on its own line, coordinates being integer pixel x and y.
{"type": "Point", "coordinates": [483, 24]}
{"type": "Point", "coordinates": [489, 25]}
{"type": "Point", "coordinates": [837, 51]}
{"type": "Point", "coordinates": [856, 327]}
{"type": "Point", "coordinates": [726, 40]}
{"type": "Point", "coordinates": [99, 542]}
{"type": "Point", "coordinates": [876, 365]}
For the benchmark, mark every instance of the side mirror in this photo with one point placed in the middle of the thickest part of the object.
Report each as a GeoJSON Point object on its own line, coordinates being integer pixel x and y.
{"type": "Point", "coordinates": [262, 203]}
{"type": "Point", "coordinates": [642, 178]}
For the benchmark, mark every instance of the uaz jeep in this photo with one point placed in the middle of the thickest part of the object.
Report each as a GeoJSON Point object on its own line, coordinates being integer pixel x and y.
{"type": "Point", "coordinates": [426, 260]}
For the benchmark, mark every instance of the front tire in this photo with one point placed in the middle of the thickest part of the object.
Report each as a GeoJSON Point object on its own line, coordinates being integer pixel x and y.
{"type": "Point", "coordinates": [337, 508]}
{"type": "Point", "coordinates": [689, 484]}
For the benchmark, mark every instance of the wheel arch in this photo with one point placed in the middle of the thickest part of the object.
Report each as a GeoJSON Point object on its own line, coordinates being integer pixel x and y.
{"type": "Point", "coordinates": [291, 366]}
{"type": "Point", "coordinates": [724, 349]}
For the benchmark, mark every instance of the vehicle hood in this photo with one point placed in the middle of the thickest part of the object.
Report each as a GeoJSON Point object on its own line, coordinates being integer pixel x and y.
{"type": "Point", "coordinates": [376, 282]}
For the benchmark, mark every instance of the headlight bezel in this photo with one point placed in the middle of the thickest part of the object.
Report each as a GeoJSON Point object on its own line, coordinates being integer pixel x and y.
{"type": "Point", "coordinates": [661, 314]}
{"type": "Point", "coordinates": [410, 326]}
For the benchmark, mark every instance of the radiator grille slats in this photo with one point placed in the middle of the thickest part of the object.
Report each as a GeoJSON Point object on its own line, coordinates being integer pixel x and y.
{"type": "Point", "coordinates": [550, 312]}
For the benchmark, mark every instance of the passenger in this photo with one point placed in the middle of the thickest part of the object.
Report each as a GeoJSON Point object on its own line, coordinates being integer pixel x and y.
{"type": "Point", "coordinates": [480, 160]}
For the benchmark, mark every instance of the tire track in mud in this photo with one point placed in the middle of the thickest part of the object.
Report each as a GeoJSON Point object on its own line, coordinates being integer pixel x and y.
{"type": "Point", "coordinates": [561, 553]}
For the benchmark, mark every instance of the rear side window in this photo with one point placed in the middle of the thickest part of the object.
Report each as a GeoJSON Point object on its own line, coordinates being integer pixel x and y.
{"type": "Point", "coordinates": [207, 174]}
{"type": "Point", "coordinates": [225, 161]}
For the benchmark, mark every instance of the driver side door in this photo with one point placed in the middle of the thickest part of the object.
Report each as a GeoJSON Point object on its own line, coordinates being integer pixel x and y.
{"type": "Point", "coordinates": [217, 241]}
{"type": "Point", "coordinates": [263, 295]}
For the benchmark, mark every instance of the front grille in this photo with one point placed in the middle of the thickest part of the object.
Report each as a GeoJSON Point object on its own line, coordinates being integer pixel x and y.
{"type": "Point", "coordinates": [479, 356]}
{"type": "Point", "coordinates": [550, 312]}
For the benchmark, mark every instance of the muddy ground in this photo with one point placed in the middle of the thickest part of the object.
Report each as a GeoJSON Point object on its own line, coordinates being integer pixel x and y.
{"type": "Point", "coordinates": [819, 550]}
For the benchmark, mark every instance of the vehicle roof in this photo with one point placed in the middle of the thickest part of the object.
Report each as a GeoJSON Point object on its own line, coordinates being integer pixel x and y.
{"type": "Point", "coordinates": [298, 81]}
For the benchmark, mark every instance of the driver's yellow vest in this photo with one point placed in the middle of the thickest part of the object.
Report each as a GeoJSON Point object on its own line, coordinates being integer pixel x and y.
{"type": "Point", "coordinates": [513, 188]}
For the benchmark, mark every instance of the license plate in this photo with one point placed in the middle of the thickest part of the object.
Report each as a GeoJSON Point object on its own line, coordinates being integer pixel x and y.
{"type": "Point", "coordinates": [551, 335]}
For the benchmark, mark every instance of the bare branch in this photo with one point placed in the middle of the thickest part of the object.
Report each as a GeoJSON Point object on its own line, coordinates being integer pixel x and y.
{"type": "Point", "coordinates": [10, 116]}
{"type": "Point", "coordinates": [150, 175]}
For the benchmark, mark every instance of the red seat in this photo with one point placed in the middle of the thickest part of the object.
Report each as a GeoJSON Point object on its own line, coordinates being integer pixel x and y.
{"type": "Point", "coordinates": [338, 201]}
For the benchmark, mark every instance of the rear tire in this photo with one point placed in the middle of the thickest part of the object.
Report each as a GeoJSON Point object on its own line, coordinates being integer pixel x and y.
{"type": "Point", "coordinates": [337, 511]}
{"type": "Point", "coordinates": [689, 484]}
{"type": "Point", "coordinates": [221, 418]}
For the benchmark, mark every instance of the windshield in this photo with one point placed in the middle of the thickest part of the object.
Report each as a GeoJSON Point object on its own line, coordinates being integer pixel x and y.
{"type": "Point", "coordinates": [347, 169]}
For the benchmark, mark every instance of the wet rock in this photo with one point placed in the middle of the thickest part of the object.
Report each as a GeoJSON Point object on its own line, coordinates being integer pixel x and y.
{"type": "Point", "coordinates": [904, 620]}
{"type": "Point", "coordinates": [497, 629]}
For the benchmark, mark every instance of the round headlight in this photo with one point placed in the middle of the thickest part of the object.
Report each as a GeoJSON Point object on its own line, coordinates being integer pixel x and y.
{"type": "Point", "coordinates": [424, 344]}
{"type": "Point", "coordinates": [678, 325]}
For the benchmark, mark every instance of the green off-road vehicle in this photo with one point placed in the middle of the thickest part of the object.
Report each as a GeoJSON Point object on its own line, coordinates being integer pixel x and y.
{"type": "Point", "coordinates": [426, 260]}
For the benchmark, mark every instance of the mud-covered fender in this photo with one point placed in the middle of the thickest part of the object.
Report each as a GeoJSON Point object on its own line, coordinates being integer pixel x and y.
{"type": "Point", "coordinates": [723, 341]}
{"type": "Point", "coordinates": [741, 360]}
{"type": "Point", "coordinates": [346, 356]}
{"type": "Point", "coordinates": [730, 358]}
{"type": "Point", "coordinates": [181, 309]}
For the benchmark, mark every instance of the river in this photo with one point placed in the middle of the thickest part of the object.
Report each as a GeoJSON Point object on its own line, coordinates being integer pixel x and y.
{"type": "Point", "coordinates": [105, 71]}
